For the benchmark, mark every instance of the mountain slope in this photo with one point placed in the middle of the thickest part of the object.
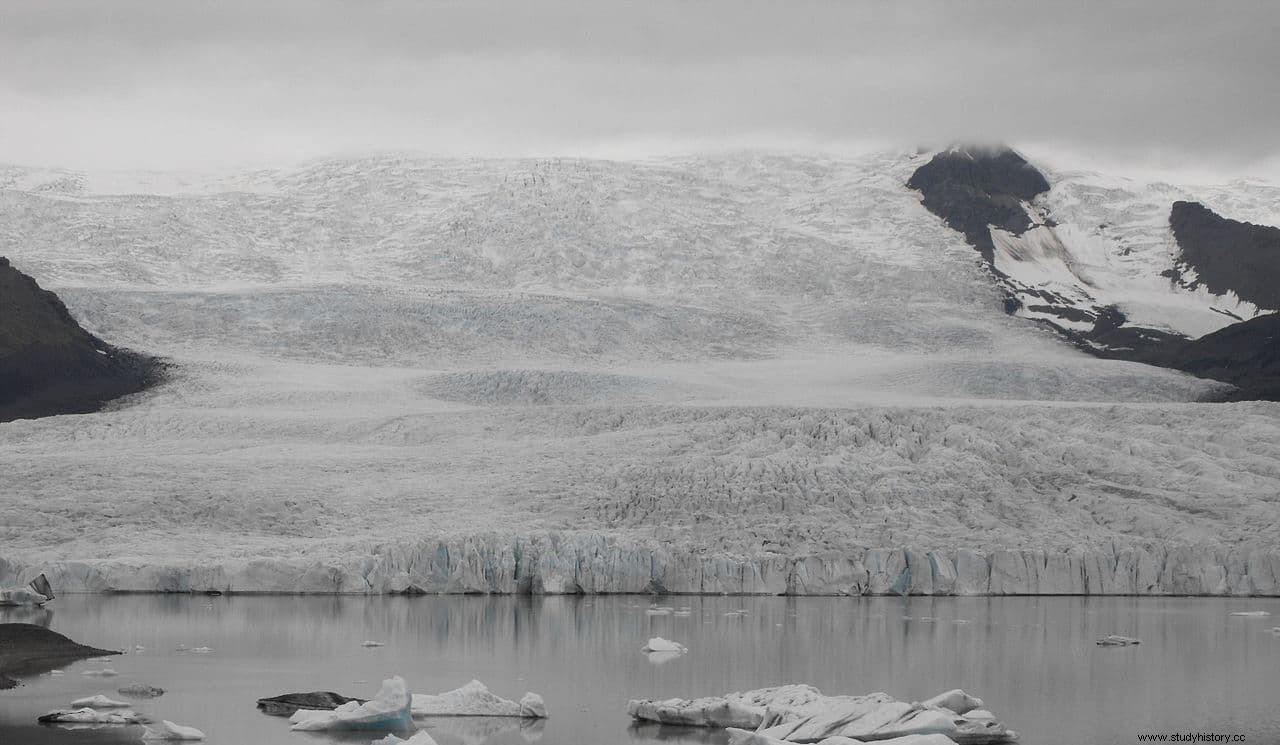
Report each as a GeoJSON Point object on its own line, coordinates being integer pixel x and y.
{"type": "Point", "coordinates": [1226, 255]}
{"type": "Point", "coordinates": [48, 364]}
{"type": "Point", "coordinates": [1080, 259]}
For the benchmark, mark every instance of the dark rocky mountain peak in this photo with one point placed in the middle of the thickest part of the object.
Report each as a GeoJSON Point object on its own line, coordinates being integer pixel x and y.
{"type": "Point", "coordinates": [973, 188]}
{"type": "Point", "coordinates": [1227, 255]}
{"type": "Point", "coordinates": [49, 364]}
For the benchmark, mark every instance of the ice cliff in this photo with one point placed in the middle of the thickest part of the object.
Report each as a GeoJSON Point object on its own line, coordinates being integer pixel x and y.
{"type": "Point", "coordinates": [592, 563]}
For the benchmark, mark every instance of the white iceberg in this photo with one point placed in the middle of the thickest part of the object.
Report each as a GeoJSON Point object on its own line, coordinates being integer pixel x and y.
{"type": "Point", "coordinates": [21, 596]}
{"type": "Point", "coordinates": [801, 713]}
{"type": "Point", "coordinates": [421, 738]}
{"type": "Point", "coordinates": [744, 737]}
{"type": "Point", "coordinates": [476, 700]}
{"type": "Point", "coordinates": [389, 711]}
{"type": "Point", "coordinates": [167, 730]}
{"type": "Point", "coordinates": [88, 715]}
{"type": "Point", "coordinates": [100, 702]}
{"type": "Point", "coordinates": [742, 710]}
{"type": "Point", "coordinates": [658, 644]}
{"type": "Point", "coordinates": [660, 658]}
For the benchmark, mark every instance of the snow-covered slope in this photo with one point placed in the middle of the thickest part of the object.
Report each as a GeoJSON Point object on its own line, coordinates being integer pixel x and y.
{"type": "Point", "coordinates": [409, 369]}
{"type": "Point", "coordinates": [1081, 249]}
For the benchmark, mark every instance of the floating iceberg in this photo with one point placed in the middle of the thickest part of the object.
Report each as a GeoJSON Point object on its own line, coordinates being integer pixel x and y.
{"type": "Point", "coordinates": [21, 596]}
{"type": "Point", "coordinates": [37, 592]}
{"type": "Point", "coordinates": [140, 691]}
{"type": "Point", "coordinates": [99, 702]}
{"type": "Point", "coordinates": [1115, 640]}
{"type": "Point", "coordinates": [86, 715]}
{"type": "Point", "coordinates": [421, 738]}
{"type": "Point", "coordinates": [743, 737]}
{"type": "Point", "coordinates": [658, 644]}
{"type": "Point", "coordinates": [659, 658]}
{"type": "Point", "coordinates": [476, 700]}
{"type": "Point", "coordinates": [389, 711]}
{"type": "Point", "coordinates": [286, 704]}
{"type": "Point", "coordinates": [167, 730]}
{"type": "Point", "coordinates": [801, 713]}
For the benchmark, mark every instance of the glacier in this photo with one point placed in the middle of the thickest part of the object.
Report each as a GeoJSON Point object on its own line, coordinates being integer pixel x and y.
{"type": "Point", "coordinates": [747, 373]}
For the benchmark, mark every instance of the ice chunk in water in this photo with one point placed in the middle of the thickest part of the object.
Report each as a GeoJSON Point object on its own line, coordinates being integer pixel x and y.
{"type": "Point", "coordinates": [389, 711]}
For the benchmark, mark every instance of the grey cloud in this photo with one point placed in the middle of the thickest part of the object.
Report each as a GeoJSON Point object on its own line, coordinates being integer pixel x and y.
{"type": "Point", "coordinates": [155, 84]}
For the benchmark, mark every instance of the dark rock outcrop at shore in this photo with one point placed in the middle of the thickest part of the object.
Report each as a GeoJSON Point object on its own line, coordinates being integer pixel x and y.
{"type": "Point", "coordinates": [1227, 255]}
{"type": "Point", "coordinates": [49, 364]}
{"type": "Point", "coordinates": [27, 649]}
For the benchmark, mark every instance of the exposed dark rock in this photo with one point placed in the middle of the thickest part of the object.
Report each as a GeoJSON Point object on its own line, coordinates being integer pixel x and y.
{"type": "Point", "coordinates": [26, 649]}
{"type": "Point", "coordinates": [286, 704]}
{"type": "Point", "coordinates": [49, 364]}
{"type": "Point", "coordinates": [973, 188]}
{"type": "Point", "coordinates": [1228, 255]}
{"type": "Point", "coordinates": [1246, 354]}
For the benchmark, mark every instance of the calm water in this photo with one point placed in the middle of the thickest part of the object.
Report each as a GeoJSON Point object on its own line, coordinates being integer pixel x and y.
{"type": "Point", "coordinates": [1032, 659]}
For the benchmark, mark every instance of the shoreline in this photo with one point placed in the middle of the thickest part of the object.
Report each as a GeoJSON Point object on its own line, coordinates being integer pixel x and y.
{"type": "Point", "coordinates": [592, 564]}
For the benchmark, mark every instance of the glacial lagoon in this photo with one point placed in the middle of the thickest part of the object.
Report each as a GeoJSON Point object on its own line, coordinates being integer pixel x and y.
{"type": "Point", "coordinates": [1033, 659]}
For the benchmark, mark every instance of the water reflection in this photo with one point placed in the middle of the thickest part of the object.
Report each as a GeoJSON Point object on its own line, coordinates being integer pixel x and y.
{"type": "Point", "coordinates": [26, 614]}
{"type": "Point", "coordinates": [1033, 659]}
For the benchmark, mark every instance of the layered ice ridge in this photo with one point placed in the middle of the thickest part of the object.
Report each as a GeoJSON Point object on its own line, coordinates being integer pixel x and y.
{"type": "Point", "coordinates": [589, 563]}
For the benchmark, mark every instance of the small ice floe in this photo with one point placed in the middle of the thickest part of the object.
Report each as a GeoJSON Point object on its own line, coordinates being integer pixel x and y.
{"type": "Point", "coordinates": [658, 644]}
{"type": "Point", "coordinates": [140, 691]}
{"type": "Point", "coordinates": [1250, 613]}
{"type": "Point", "coordinates": [735, 614]}
{"type": "Point", "coordinates": [371, 643]}
{"type": "Point", "coordinates": [661, 658]}
{"type": "Point", "coordinates": [201, 650]}
{"type": "Point", "coordinates": [927, 619]}
{"type": "Point", "coordinates": [56, 672]}
{"type": "Point", "coordinates": [167, 730]}
{"type": "Point", "coordinates": [139, 648]}
{"type": "Point", "coordinates": [476, 700]}
{"type": "Point", "coordinates": [1275, 630]}
{"type": "Point", "coordinates": [180, 648]}
{"type": "Point", "coordinates": [103, 673]}
{"type": "Point", "coordinates": [86, 715]}
{"type": "Point", "coordinates": [389, 711]}
{"type": "Point", "coordinates": [682, 612]}
{"type": "Point", "coordinates": [421, 738]}
{"type": "Point", "coordinates": [97, 659]}
{"type": "Point", "coordinates": [960, 620]}
{"type": "Point", "coordinates": [99, 702]}
{"type": "Point", "coordinates": [1115, 640]}
{"type": "Point", "coordinates": [659, 610]}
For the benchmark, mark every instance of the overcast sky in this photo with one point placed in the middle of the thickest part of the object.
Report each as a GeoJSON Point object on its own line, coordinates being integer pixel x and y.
{"type": "Point", "coordinates": [172, 84]}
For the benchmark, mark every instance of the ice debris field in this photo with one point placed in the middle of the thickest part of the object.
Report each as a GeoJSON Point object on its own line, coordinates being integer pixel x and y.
{"type": "Point", "coordinates": [753, 373]}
